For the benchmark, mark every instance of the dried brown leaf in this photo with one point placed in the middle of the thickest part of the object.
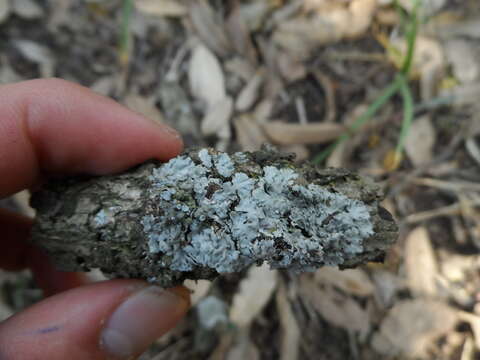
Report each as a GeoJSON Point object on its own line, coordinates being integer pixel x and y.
{"type": "Point", "coordinates": [421, 265]}
{"type": "Point", "coordinates": [249, 133]}
{"type": "Point", "coordinates": [205, 75]}
{"type": "Point", "coordinates": [161, 8]}
{"type": "Point", "coordinates": [249, 94]}
{"type": "Point", "coordinates": [462, 55]}
{"type": "Point", "coordinates": [352, 281]}
{"type": "Point", "coordinates": [339, 309]}
{"type": "Point", "coordinates": [217, 117]}
{"type": "Point", "coordinates": [27, 9]}
{"type": "Point", "coordinates": [239, 35]}
{"type": "Point", "coordinates": [4, 10]}
{"type": "Point", "coordinates": [254, 293]}
{"type": "Point", "coordinates": [209, 27]}
{"type": "Point", "coordinates": [290, 329]}
{"type": "Point", "coordinates": [288, 134]}
{"type": "Point", "coordinates": [420, 141]}
{"type": "Point", "coordinates": [144, 106]}
{"type": "Point", "coordinates": [412, 326]}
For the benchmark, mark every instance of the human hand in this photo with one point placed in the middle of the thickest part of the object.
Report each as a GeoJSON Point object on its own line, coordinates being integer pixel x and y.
{"type": "Point", "coordinates": [51, 128]}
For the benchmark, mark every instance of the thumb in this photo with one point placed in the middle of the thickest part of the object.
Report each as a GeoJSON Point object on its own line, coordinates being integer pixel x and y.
{"type": "Point", "coordinates": [114, 319]}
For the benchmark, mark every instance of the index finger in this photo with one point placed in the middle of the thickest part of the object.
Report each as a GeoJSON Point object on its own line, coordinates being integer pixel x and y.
{"type": "Point", "coordinates": [53, 126]}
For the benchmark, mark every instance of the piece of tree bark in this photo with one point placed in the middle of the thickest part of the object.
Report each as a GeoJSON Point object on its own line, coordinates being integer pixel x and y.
{"type": "Point", "coordinates": [206, 213]}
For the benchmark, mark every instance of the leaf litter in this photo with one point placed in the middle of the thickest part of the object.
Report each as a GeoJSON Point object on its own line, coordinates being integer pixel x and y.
{"type": "Point", "coordinates": [237, 74]}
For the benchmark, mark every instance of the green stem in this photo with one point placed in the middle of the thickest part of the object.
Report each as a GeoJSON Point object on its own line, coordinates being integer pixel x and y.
{"type": "Point", "coordinates": [386, 94]}
{"type": "Point", "coordinates": [125, 31]}
{"type": "Point", "coordinates": [411, 39]}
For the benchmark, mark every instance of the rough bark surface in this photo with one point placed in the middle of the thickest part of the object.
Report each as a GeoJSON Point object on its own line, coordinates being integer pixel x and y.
{"type": "Point", "coordinates": [205, 213]}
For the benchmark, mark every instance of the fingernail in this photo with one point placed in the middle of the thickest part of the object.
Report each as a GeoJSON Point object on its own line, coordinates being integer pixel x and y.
{"type": "Point", "coordinates": [140, 320]}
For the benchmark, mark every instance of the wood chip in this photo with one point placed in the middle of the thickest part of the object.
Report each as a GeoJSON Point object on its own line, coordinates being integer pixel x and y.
{"type": "Point", "coordinates": [421, 265]}
{"type": "Point", "coordinates": [412, 326]}
{"type": "Point", "coordinates": [287, 134]}
{"type": "Point", "coordinates": [254, 293]}
{"type": "Point", "coordinates": [205, 75]}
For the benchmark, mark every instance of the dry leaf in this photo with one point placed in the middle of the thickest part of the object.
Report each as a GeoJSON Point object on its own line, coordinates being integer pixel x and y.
{"type": "Point", "coordinates": [420, 263]}
{"type": "Point", "coordinates": [301, 151]}
{"type": "Point", "coordinates": [209, 28]}
{"type": "Point", "coordinates": [239, 34]}
{"type": "Point", "coordinates": [412, 326]}
{"type": "Point", "coordinates": [38, 54]}
{"type": "Point", "coordinates": [339, 309]}
{"type": "Point", "coordinates": [386, 287]}
{"type": "Point", "coordinates": [352, 281]}
{"type": "Point", "coordinates": [290, 340]}
{"type": "Point", "coordinates": [288, 134]}
{"type": "Point", "coordinates": [249, 133]}
{"type": "Point", "coordinates": [241, 68]}
{"type": "Point", "coordinates": [420, 141]}
{"type": "Point", "coordinates": [27, 9]}
{"type": "Point", "coordinates": [4, 10]}
{"type": "Point", "coordinates": [254, 293]}
{"type": "Point", "coordinates": [217, 117]}
{"type": "Point", "coordinates": [143, 106]}
{"type": "Point", "coordinates": [474, 322]}
{"type": "Point", "coordinates": [243, 348]}
{"type": "Point", "coordinates": [199, 289]}
{"type": "Point", "coordinates": [205, 75]}
{"type": "Point", "coordinates": [249, 93]}
{"type": "Point", "coordinates": [463, 57]}
{"type": "Point", "coordinates": [301, 34]}
{"type": "Point", "coordinates": [161, 7]}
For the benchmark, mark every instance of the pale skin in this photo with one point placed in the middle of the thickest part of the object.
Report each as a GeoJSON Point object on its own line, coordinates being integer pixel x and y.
{"type": "Point", "coordinates": [55, 128]}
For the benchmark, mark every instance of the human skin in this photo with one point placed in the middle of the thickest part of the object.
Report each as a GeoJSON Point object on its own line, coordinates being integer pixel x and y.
{"type": "Point", "coordinates": [51, 128]}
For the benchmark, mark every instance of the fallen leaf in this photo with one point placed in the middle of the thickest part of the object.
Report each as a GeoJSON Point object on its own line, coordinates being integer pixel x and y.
{"type": "Point", "coordinates": [255, 291]}
{"type": "Point", "coordinates": [420, 141]}
{"type": "Point", "coordinates": [249, 94]}
{"type": "Point", "coordinates": [337, 308]}
{"type": "Point", "coordinates": [143, 106]}
{"type": "Point", "coordinates": [205, 75]}
{"type": "Point", "coordinates": [474, 322]}
{"type": "Point", "coordinates": [352, 281]}
{"type": "Point", "coordinates": [420, 263]}
{"type": "Point", "coordinates": [240, 36]}
{"type": "Point", "coordinates": [290, 330]}
{"type": "Point", "coordinates": [212, 312]}
{"type": "Point", "coordinates": [412, 326]}
{"type": "Point", "coordinates": [386, 287]}
{"type": "Point", "coordinates": [161, 8]}
{"type": "Point", "coordinates": [462, 55]}
{"type": "Point", "coordinates": [209, 27]}
{"type": "Point", "coordinates": [301, 151]}
{"type": "Point", "coordinates": [27, 9]}
{"type": "Point", "coordinates": [288, 134]}
{"type": "Point", "coordinates": [217, 117]}
{"type": "Point", "coordinates": [249, 133]}
{"type": "Point", "coordinates": [242, 348]}
{"type": "Point", "coordinates": [4, 10]}
{"type": "Point", "coordinates": [38, 54]}
{"type": "Point", "coordinates": [199, 289]}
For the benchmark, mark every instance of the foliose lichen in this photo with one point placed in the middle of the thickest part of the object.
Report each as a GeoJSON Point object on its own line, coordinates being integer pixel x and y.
{"type": "Point", "coordinates": [216, 216]}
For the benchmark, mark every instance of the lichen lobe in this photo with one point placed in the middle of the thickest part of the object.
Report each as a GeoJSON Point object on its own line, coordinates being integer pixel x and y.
{"type": "Point", "coordinates": [213, 215]}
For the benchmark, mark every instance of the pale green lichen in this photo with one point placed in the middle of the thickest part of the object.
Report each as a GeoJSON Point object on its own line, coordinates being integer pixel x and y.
{"type": "Point", "coordinates": [234, 220]}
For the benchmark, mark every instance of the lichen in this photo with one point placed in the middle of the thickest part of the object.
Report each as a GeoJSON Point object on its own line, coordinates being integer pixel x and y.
{"type": "Point", "coordinates": [233, 220]}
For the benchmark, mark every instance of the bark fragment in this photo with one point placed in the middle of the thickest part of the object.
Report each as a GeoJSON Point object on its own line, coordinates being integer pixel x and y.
{"type": "Point", "coordinates": [206, 213]}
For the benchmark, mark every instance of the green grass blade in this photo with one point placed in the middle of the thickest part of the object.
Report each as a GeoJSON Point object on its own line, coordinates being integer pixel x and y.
{"type": "Point", "coordinates": [386, 94]}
